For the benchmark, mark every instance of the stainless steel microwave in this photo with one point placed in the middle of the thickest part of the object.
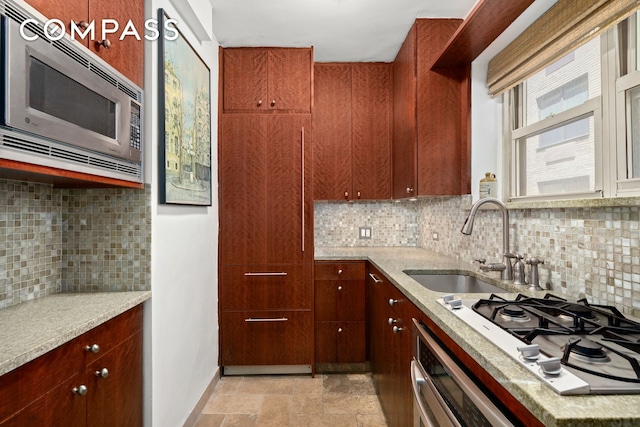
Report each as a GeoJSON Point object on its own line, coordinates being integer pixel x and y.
{"type": "Point", "coordinates": [62, 106]}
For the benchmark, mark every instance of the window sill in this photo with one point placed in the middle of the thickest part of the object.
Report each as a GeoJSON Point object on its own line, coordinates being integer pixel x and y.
{"type": "Point", "coordinates": [576, 203]}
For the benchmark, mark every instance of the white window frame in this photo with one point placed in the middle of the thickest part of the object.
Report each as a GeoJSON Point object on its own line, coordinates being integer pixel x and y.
{"type": "Point", "coordinates": [609, 111]}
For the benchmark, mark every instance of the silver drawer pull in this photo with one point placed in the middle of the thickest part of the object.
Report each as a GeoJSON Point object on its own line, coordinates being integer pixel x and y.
{"type": "Point", "coordinates": [375, 279]}
{"type": "Point", "coordinates": [281, 273]}
{"type": "Point", "coordinates": [266, 319]}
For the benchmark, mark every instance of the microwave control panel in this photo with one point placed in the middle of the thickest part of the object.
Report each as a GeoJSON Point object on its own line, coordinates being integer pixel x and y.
{"type": "Point", "coordinates": [135, 126]}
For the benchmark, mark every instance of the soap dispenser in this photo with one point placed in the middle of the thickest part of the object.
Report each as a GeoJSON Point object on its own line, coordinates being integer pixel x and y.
{"type": "Point", "coordinates": [518, 271]}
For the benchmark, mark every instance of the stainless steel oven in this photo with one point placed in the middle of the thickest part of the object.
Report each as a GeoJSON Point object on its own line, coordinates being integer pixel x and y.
{"type": "Point", "coordinates": [444, 394]}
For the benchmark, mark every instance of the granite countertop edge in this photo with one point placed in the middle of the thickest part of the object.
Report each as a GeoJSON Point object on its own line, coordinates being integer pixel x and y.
{"type": "Point", "coordinates": [31, 329]}
{"type": "Point", "coordinates": [545, 404]}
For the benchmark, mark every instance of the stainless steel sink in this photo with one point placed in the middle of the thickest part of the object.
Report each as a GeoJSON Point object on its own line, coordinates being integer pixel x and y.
{"type": "Point", "coordinates": [454, 283]}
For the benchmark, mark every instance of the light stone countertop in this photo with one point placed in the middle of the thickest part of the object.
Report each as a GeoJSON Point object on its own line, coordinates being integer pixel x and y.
{"type": "Point", "coordinates": [33, 328]}
{"type": "Point", "coordinates": [549, 407]}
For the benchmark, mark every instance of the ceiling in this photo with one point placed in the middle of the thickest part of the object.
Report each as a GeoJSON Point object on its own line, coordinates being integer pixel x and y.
{"type": "Point", "coordinates": [339, 30]}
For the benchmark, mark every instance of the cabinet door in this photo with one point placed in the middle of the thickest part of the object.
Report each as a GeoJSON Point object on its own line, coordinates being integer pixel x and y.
{"type": "Point", "coordinates": [266, 338]}
{"type": "Point", "coordinates": [289, 79]}
{"type": "Point", "coordinates": [371, 137]}
{"type": "Point", "coordinates": [65, 10]}
{"type": "Point", "coordinates": [244, 85]}
{"type": "Point", "coordinates": [340, 342]}
{"type": "Point", "coordinates": [332, 152]}
{"type": "Point", "coordinates": [116, 399]}
{"type": "Point", "coordinates": [265, 189]}
{"type": "Point", "coordinates": [59, 407]}
{"type": "Point", "coordinates": [127, 55]}
{"type": "Point", "coordinates": [404, 119]}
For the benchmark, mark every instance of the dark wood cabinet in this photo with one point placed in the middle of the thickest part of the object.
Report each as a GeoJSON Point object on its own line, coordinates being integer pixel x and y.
{"type": "Point", "coordinates": [352, 131]}
{"type": "Point", "coordinates": [126, 55]}
{"type": "Point", "coordinates": [390, 349]}
{"type": "Point", "coordinates": [267, 79]}
{"type": "Point", "coordinates": [73, 386]}
{"type": "Point", "coordinates": [431, 116]}
{"type": "Point", "coordinates": [266, 209]}
{"type": "Point", "coordinates": [340, 312]}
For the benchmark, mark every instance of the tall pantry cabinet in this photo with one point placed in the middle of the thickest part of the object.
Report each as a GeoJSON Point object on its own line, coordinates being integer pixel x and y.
{"type": "Point", "coordinates": [266, 210]}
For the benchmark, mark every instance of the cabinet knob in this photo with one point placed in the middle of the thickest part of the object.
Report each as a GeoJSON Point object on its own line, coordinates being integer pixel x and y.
{"type": "Point", "coordinates": [397, 330]}
{"type": "Point", "coordinates": [339, 288]}
{"type": "Point", "coordinates": [92, 348]}
{"type": "Point", "coordinates": [102, 373]}
{"type": "Point", "coordinates": [346, 194]}
{"type": "Point", "coordinates": [82, 24]}
{"type": "Point", "coordinates": [358, 194]}
{"type": "Point", "coordinates": [105, 43]}
{"type": "Point", "coordinates": [391, 321]}
{"type": "Point", "coordinates": [339, 330]}
{"type": "Point", "coordinates": [409, 190]}
{"type": "Point", "coordinates": [392, 302]}
{"type": "Point", "coordinates": [273, 103]}
{"type": "Point", "coordinates": [260, 103]}
{"type": "Point", "coordinates": [340, 271]}
{"type": "Point", "coordinates": [80, 390]}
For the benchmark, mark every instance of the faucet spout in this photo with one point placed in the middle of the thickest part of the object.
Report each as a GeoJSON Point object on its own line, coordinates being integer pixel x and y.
{"type": "Point", "coordinates": [467, 228]}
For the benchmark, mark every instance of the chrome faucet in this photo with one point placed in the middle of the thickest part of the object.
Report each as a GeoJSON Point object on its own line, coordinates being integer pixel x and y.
{"type": "Point", "coordinates": [467, 228]}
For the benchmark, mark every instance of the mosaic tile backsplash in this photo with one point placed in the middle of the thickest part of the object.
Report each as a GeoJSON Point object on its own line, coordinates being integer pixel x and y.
{"type": "Point", "coordinates": [54, 240]}
{"type": "Point", "coordinates": [587, 252]}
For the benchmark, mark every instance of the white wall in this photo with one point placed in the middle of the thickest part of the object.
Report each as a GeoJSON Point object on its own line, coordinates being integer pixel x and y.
{"type": "Point", "coordinates": [181, 324]}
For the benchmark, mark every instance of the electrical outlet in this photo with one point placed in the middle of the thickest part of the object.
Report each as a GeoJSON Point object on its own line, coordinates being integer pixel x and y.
{"type": "Point", "coordinates": [365, 232]}
{"type": "Point", "coordinates": [435, 236]}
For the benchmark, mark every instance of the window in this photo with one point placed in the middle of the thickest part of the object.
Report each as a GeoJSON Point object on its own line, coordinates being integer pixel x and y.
{"type": "Point", "coordinates": [574, 127]}
{"type": "Point", "coordinates": [556, 136]}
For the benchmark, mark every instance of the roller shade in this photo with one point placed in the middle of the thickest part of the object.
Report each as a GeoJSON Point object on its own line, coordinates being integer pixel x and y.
{"type": "Point", "coordinates": [564, 27]}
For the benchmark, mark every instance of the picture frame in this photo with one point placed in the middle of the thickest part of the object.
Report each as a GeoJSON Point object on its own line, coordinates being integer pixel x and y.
{"type": "Point", "coordinates": [184, 116]}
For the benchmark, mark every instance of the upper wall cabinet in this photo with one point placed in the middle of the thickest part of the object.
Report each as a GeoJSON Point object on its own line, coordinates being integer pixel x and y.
{"type": "Point", "coordinates": [127, 55]}
{"type": "Point", "coordinates": [431, 116]}
{"type": "Point", "coordinates": [267, 79]}
{"type": "Point", "coordinates": [352, 131]}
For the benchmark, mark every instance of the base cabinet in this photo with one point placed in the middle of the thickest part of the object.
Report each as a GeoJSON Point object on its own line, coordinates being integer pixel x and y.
{"type": "Point", "coordinates": [93, 380]}
{"type": "Point", "coordinates": [390, 314]}
{"type": "Point", "coordinates": [340, 312]}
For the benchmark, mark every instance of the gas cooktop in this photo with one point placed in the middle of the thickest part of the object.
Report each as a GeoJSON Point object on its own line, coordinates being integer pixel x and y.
{"type": "Point", "coordinates": [574, 347]}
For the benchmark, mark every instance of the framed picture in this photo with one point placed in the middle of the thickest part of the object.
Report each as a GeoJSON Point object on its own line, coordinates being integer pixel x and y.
{"type": "Point", "coordinates": [185, 120]}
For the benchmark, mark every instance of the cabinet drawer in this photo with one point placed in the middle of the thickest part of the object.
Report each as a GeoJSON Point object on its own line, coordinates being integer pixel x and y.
{"type": "Point", "coordinates": [266, 337]}
{"type": "Point", "coordinates": [340, 342]}
{"type": "Point", "coordinates": [274, 287]}
{"type": "Point", "coordinates": [340, 300]}
{"type": "Point", "coordinates": [343, 270]}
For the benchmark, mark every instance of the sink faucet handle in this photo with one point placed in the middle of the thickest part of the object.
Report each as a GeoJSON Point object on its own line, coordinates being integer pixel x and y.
{"type": "Point", "coordinates": [535, 275]}
{"type": "Point", "coordinates": [480, 261]}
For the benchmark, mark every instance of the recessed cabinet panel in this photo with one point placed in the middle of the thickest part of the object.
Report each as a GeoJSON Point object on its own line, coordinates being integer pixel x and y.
{"type": "Point", "coordinates": [245, 79]}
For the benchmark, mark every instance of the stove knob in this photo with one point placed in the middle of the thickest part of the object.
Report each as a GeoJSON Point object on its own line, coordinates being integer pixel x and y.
{"type": "Point", "coordinates": [455, 303]}
{"type": "Point", "coordinates": [550, 366]}
{"type": "Point", "coordinates": [530, 352]}
{"type": "Point", "coordinates": [448, 297]}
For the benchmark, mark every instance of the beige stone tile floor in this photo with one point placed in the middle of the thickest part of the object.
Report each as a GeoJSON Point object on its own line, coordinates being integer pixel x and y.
{"type": "Point", "coordinates": [328, 400]}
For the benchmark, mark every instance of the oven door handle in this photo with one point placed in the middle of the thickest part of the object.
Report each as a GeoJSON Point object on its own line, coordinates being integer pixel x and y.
{"type": "Point", "coordinates": [417, 379]}
{"type": "Point", "coordinates": [439, 409]}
